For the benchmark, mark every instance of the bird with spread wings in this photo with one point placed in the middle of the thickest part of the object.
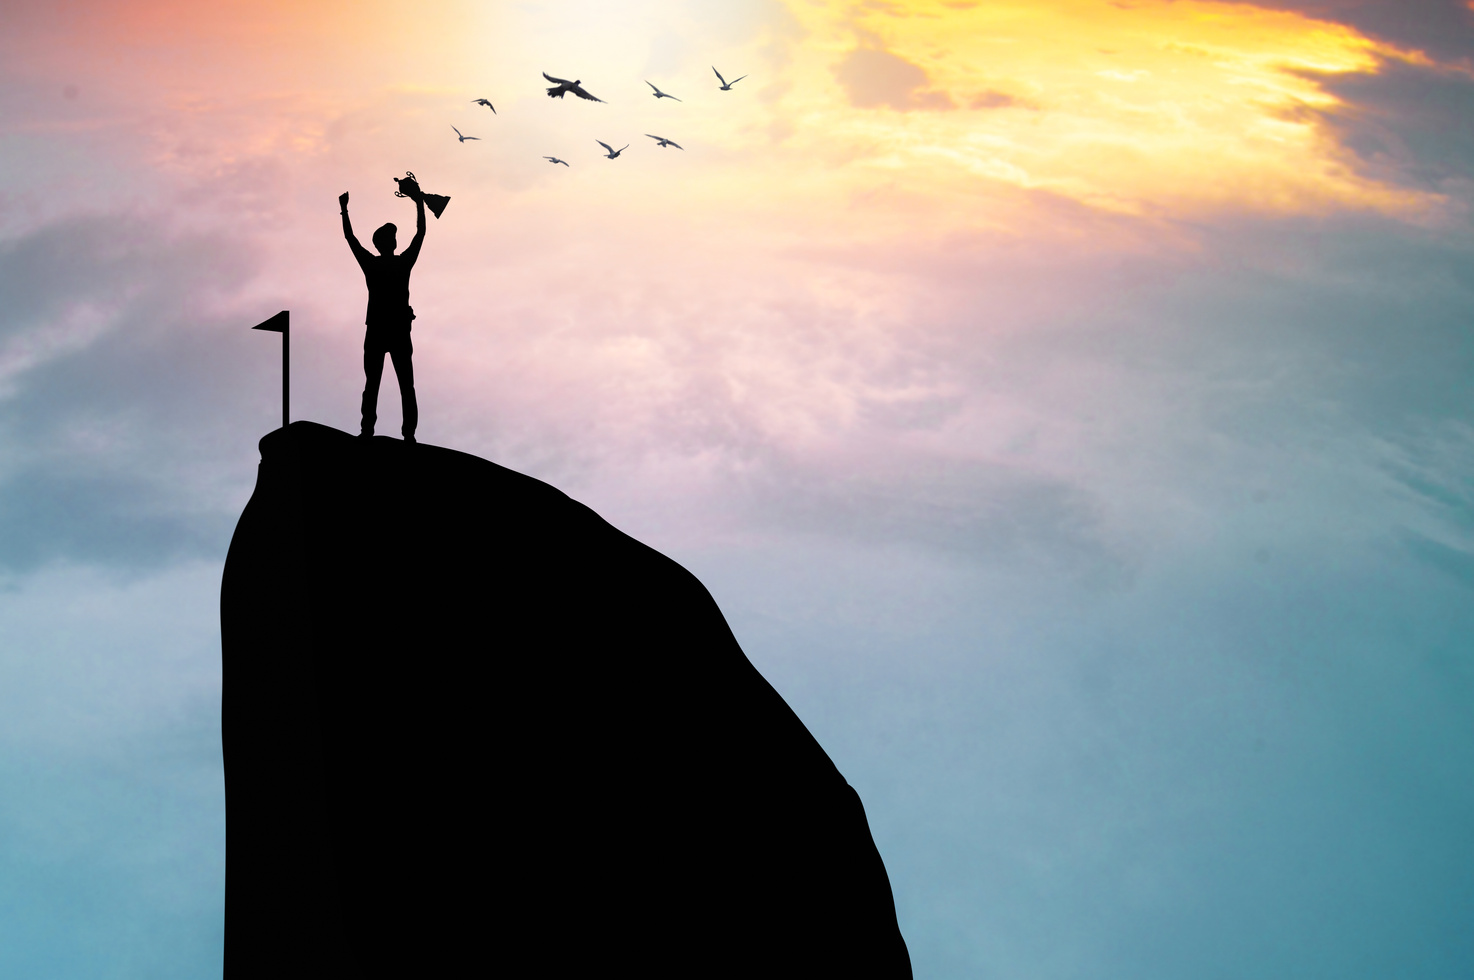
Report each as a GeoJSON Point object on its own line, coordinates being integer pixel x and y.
{"type": "Point", "coordinates": [485, 103]}
{"type": "Point", "coordinates": [612, 151]}
{"type": "Point", "coordinates": [662, 141]}
{"type": "Point", "coordinates": [658, 93]}
{"type": "Point", "coordinates": [562, 86]}
{"type": "Point", "coordinates": [726, 85]}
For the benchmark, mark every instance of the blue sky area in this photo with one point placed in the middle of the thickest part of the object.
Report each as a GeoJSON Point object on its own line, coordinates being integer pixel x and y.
{"type": "Point", "coordinates": [1119, 550]}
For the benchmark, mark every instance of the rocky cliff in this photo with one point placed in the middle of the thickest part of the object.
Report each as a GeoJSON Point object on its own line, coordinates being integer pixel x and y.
{"type": "Point", "coordinates": [470, 727]}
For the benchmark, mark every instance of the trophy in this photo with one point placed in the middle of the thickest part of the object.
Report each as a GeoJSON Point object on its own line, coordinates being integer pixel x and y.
{"type": "Point", "coordinates": [410, 188]}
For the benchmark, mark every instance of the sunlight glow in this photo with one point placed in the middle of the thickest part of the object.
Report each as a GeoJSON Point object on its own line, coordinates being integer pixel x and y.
{"type": "Point", "coordinates": [1142, 107]}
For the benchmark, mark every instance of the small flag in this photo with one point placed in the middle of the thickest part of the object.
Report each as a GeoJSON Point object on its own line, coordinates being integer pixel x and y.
{"type": "Point", "coordinates": [281, 323]}
{"type": "Point", "coordinates": [276, 324]}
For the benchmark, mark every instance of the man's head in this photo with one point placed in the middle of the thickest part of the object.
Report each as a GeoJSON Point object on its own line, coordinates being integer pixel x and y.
{"type": "Point", "coordinates": [384, 239]}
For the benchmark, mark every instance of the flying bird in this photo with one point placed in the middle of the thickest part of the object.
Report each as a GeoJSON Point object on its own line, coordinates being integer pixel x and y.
{"type": "Point", "coordinates": [464, 138]}
{"type": "Point", "coordinates": [726, 85]}
{"type": "Point", "coordinates": [612, 151]}
{"type": "Point", "coordinates": [562, 86]}
{"type": "Point", "coordinates": [658, 93]}
{"type": "Point", "coordinates": [662, 141]}
{"type": "Point", "coordinates": [485, 103]}
{"type": "Point", "coordinates": [556, 160]}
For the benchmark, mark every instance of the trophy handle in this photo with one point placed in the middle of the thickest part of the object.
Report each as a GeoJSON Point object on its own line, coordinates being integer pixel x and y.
{"type": "Point", "coordinates": [407, 179]}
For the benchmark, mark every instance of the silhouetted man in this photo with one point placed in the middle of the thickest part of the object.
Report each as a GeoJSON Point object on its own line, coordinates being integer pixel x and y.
{"type": "Point", "coordinates": [389, 312]}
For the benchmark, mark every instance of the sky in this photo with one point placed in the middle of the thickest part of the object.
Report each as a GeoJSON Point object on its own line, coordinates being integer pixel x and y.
{"type": "Point", "coordinates": [1067, 402]}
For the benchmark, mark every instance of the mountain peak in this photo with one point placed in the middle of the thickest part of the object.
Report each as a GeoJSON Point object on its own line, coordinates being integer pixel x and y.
{"type": "Point", "coordinates": [467, 720]}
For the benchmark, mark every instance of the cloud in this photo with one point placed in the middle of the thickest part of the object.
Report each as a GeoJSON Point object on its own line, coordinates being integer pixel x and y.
{"type": "Point", "coordinates": [120, 384]}
{"type": "Point", "coordinates": [98, 516]}
{"type": "Point", "coordinates": [1456, 562]}
{"type": "Point", "coordinates": [978, 509]}
{"type": "Point", "coordinates": [1433, 472]}
{"type": "Point", "coordinates": [952, 396]}
{"type": "Point", "coordinates": [993, 100]}
{"type": "Point", "coordinates": [873, 78]}
{"type": "Point", "coordinates": [1443, 29]}
{"type": "Point", "coordinates": [1061, 401]}
{"type": "Point", "coordinates": [1405, 123]}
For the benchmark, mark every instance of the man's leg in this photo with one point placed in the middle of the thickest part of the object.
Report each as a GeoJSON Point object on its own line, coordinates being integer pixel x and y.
{"type": "Point", "coordinates": [404, 370]}
{"type": "Point", "coordinates": [373, 372]}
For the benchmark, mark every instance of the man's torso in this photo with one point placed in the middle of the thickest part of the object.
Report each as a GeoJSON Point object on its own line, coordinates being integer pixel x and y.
{"type": "Point", "coordinates": [387, 277]}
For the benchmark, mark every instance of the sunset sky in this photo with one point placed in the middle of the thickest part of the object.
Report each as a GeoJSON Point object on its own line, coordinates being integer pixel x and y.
{"type": "Point", "coordinates": [1068, 403]}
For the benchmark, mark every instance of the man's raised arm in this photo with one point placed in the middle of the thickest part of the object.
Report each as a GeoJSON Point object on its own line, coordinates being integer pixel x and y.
{"type": "Point", "coordinates": [359, 252]}
{"type": "Point", "coordinates": [413, 252]}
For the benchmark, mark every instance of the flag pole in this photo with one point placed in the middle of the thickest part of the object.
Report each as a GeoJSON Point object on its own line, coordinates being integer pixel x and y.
{"type": "Point", "coordinates": [282, 324]}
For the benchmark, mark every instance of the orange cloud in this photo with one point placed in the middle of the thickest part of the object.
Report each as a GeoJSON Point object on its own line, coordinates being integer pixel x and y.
{"type": "Point", "coordinates": [1154, 105]}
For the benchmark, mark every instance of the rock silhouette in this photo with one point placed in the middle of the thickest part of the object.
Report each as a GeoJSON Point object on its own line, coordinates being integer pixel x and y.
{"type": "Point", "coordinates": [469, 726]}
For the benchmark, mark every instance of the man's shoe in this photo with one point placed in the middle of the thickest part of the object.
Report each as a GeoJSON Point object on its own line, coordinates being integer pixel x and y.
{"type": "Point", "coordinates": [409, 438]}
